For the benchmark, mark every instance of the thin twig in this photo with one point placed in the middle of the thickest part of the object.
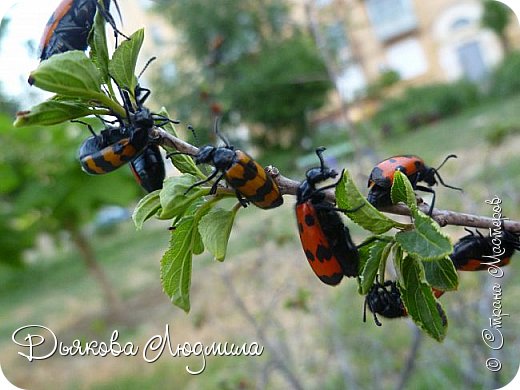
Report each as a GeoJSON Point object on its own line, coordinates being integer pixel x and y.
{"type": "Point", "coordinates": [277, 358]}
{"type": "Point", "coordinates": [289, 187]}
{"type": "Point", "coordinates": [411, 359]}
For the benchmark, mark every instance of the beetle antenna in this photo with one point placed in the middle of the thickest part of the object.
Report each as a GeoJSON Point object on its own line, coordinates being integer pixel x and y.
{"type": "Point", "coordinates": [118, 12]}
{"type": "Point", "coordinates": [446, 159]}
{"type": "Point", "coordinates": [146, 66]}
{"type": "Point", "coordinates": [469, 231]}
{"type": "Point", "coordinates": [436, 173]}
{"type": "Point", "coordinates": [444, 184]}
{"type": "Point", "coordinates": [319, 153]}
{"type": "Point", "coordinates": [86, 124]}
{"type": "Point", "coordinates": [217, 132]}
{"type": "Point", "coordinates": [127, 103]}
{"type": "Point", "coordinates": [109, 18]}
{"type": "Point", "coordinates": [192, 129]}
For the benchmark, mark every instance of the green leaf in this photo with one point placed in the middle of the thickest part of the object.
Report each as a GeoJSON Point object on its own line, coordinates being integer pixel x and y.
{"type": "Point", "coordinates": [418, 298]}
{"type": "Point", "coordinates": [368, 217]}
{"type": "Point", "coordinates": [124, 60]}
{"type": "Point", "coordinates": [182, 162]}
{"type": "Point", "coordinates": [402, 190]}
{"type": "Point", "coordinates": [174, 199]}
{"type": "Point", "coordinates": [199, 208]}
{"type": "Point", "coordinates": [441, 274]}
{"type": "Point", "coordinates": [176, 263]}
{"type": "Point", "coordinates": [198, 244]}
{"type": "Point", "coordinates": [69, 74]}
{"type": "Point", "coordinates": [371, 256]}
{"type": "Point", "coordinates": [51, 112]}
{"type": "Point", "coordinates": [426, 241]}
{"type": "Point", "coordinates": [99, 48]}
{"type": "Point", "coordinates": [215, 228]}
{"type": "Point", "coordinates": [146, 208]}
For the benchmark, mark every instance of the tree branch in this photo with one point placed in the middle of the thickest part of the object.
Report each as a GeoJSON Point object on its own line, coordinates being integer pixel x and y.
{"type": "Point", "coordinates": [289, 187]}
{"type": "Point", "coordinates": [411, 359]}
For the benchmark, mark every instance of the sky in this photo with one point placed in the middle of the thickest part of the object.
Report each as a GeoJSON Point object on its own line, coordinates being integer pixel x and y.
{"type": "Point", "coordinates": [27, 20]}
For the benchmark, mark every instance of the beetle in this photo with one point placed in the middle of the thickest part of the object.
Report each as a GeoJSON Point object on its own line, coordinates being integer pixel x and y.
{"type": "Point", "coordinates": [70, 24]}
{"type": "Point", "coordinates": [111, 149]}
{"type": "Point", "coordinates": [385, 299]}
{"type": "Point", "coordinates": [382, 177]}
{"type": "Point", "coordinates": [437, 293]}
{"type": "Point", "coordinates": [249, 180]}
{"type": "Point", "coordinates": [118, 145]}
{"type": "Point", "coordinates": [148, 168]}
{"type": "Point", "coordinates": [325, 239]}
{"type": "Point", "coordinates": [474, 252]}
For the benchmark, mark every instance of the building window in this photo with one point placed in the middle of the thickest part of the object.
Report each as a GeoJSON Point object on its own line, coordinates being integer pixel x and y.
{"type": "Point", "coordinates": [460, 23]}
{"type": "Point", "coordinates": [407, 58]}
{"type": "Point", "coordinates": [391, 18]}
{"type": "Point", "coordinates": [351, 82]}
{"type": "Point", "coordinates": [470, 58]}
{"type": "Point", "coordinates": [322, 3]}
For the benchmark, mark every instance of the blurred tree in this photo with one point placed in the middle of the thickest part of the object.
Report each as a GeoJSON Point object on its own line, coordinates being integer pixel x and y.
{"type": "Point", "coordinates": [244, 57]}
{"type": "Point", "coordinates": [496, 17]}
{"type": "Point", "coordinates": [43, 190]}
{"type": "Point", "coordinates": [266, 90]}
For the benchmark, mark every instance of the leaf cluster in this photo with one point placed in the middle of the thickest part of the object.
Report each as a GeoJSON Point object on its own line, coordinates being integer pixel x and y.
{"type": "Point", "coordinates": [419, 251]}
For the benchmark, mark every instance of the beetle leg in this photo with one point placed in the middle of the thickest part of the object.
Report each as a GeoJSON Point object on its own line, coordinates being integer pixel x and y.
{"type": "Point", "coordinates": [243, 201]}
{"type": "Point", "coordinates": [431, 191]}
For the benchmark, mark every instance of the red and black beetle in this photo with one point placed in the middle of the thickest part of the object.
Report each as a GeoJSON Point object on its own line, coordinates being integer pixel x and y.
{"type": "Point", "coordinates": [70, 24]}
{"type": "Point", "coordinates": [382, 177]}
{"type": "Point", "coordinates": [325, 239]}
{"type": "Point", "coordinates": [474, 252]}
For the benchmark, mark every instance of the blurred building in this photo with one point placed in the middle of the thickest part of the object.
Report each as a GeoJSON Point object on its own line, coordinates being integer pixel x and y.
{"type": "Point", "coordinates": [423, 41]}
{"type": "Point", "coordinates": [160, 36]}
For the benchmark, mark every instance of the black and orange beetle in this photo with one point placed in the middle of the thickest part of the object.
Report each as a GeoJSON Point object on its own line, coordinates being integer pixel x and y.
{"type": "Point", "coordinates": [148, 168]}
{"type": "Point", "coordinates": [111, 149]}
{"type": "Point", "coordinates": [325, 239]}
{"type": "Point", "coordinates": [70, 24]}
{"type": "Point", "coordinates": [382, 177]}
{"type": "Point", "coordinates": [118, 145]}
{"type": "Point", "coordinates": [474, 252]}
{"type": "Point", "coordinates": [249, 180]}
